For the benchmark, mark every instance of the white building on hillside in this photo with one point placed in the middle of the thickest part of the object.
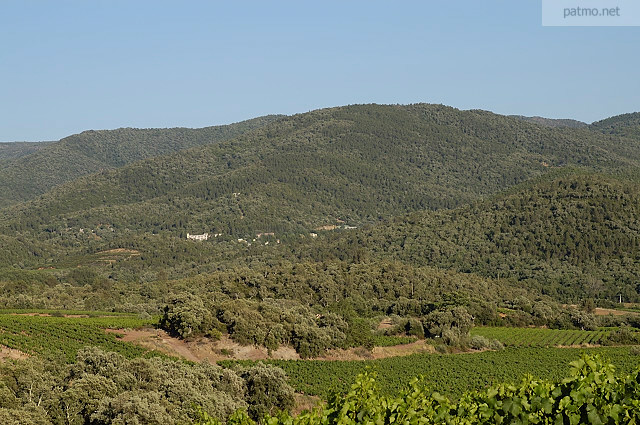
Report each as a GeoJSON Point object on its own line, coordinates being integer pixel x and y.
{"type": "Point", "coordinates": [202, 237]}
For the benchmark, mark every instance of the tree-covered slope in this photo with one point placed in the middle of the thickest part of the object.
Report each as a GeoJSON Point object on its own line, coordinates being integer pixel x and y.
{"type": "Point", "coordinates": [35, 169]}
{"type": "Point", "coordinates": [621, 125]}
{"type": "Point", "coordinates": [551, 122]}
{"type": "Point", "coordinates": [572, 236]}
{"type": "Point", "coordinates": [13, 150]}
{"type": "Point", "coordinates": [356, 163]}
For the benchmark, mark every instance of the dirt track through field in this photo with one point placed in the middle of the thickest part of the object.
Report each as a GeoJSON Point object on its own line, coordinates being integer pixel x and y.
{"type": "Point", "coordinates": [10, 353]}
{"type": "Point", "coordinates": [204, 349]}
{"type": "Point", "coordinates": [606, 311]}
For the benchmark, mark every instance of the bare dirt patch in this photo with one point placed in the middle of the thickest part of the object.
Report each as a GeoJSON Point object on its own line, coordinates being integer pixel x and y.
{"type": "Point", "coordinates": [385, 324]}
{"type": "Point", "coordinates": [402, 350]}
{"type": "Point", "coordinates": [578, 346]}
{"type": "Point", "coordinates": [305, 402]}
{"type": "Point", "coordinates": [606, 311]}
{"type": "Point", "coordinates": [11, 353]}
{"type": "Point", "coordinates": [205, 349]}
{"type": "Point", "coordinates": [120, 251]}
{"type": "Point", "coordinates": [201, 349]}
{"type": "Point", "coordinates": [113, 255]}
{"type": "Point", "coordinates": [360, 353]}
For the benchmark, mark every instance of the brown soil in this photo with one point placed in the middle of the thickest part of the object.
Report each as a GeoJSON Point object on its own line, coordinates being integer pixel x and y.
{"type": "Point", "coordinates": [205, 349]}
{"type": "Point", "coordinates": [360, 353]}
{"type": "Point", "coordinates": [385, 324]}
{"type": "Point", "coordinates": [11, 353]}
{"type": "Point", "coordinates": [305, 402]}
{"type": "Point", "coordinates": [202, 349]}
{"type": "Point", "coordinates": [120, 251]}
{"type": "Point", "coordinates": [403, 350]}
{"type": "Point", "coordinates": [607, 311]}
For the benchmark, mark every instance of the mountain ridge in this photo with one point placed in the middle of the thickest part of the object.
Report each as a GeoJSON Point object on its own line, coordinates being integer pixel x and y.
{"type": "Point", "coordinates": [88, 152]}
{"type": "Point", "coordinates": [357, 164]}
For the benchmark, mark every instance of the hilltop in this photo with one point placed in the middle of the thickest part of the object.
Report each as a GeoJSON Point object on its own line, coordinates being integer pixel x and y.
{"type": "Point", "coordinates": [31, 169]}
{"type": "Point", "coordinates": [627, 125]}
{"type": "Point", "coordinates": [550, 122]}
{"type": "Point", "coordinates": [13, 150]}
{"type": "Point", "coordinates": [356, 163]}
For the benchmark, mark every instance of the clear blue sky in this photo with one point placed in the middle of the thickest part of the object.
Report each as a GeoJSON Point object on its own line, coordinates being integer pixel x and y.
{"type": "Point", "coordinates": [68, 66]}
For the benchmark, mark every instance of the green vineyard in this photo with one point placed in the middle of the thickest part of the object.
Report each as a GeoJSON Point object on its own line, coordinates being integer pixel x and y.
{"type": "Point", "coordinates": [593, 392]}
{"type": "Point", "coordinates": [538, 337]}
{"type": "Point", "coordinates": [61, 337]}
{"type": "Point", "coordinates": [451, 374]}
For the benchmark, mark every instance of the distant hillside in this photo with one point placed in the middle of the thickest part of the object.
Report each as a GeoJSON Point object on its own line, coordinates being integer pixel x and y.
{"type": "Point", "coordinates": [573, 236]}
{"type": "Point", "coordinates": [35, 169]}
{"type": "Point", "coordinates": [15, 150]}
{"type": "Point", "coordinates": [621, 125]}
{"type": "Point", "coordinates": [553, 123]}
{"type": "Point", "coordinates": [351, 165]}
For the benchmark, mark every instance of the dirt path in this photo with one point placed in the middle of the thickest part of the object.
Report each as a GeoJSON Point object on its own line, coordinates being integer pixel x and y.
{"type": "Point", "coordinates": [606, 311]}
{"type": "Point", "coordinates": [11, 353]}
{"type": "Point", "coordinates": [204, 349]}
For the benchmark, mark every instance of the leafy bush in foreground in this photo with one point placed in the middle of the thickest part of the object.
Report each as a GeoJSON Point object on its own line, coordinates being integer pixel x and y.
{"type": "Point", "coordinates": [591, 394]}
{"type": "Point", "coordinates": [105, 388]}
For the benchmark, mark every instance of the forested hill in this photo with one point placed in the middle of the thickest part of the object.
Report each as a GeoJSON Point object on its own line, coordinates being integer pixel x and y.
{"type": "Point", "coordinates": [13, 150]}
{"type": "Point", "coordinates": [572, 236]}
{"type": "Point", "coordinates": [32, 169]}
{"type": "Point", "coordinates": [621, 125]}
{"type": "Point", "coordinates": [550, 122]}
{"type": "Point", "coordinates": [354, 164]}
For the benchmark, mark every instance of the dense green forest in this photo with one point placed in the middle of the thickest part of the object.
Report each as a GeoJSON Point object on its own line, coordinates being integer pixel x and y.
{"type": "Point", "coordinates": [571, 237]}
{"type": "Point", "coordinates": [13, 150]}
{"type": "Point", "coordinates": [343, 166]}
{"type": "Point", "coordinates": [627, 125]}
{"type": "Point", "coordinates": [548, 122]}
{"type": "Point", "coordinates": [31, 169]}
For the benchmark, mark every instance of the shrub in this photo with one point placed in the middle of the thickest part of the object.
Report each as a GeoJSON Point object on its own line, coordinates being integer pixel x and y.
{"type": "Point", "coordinates": [621, 336]}
{"type": "Point", "coordinates": [479, 342]}
{"type": "Point", "coordinates": [414, 327]}
{"type": "Point", "coordinates": [496, 345]}
{"type": "Point", "coordinates": [186, 316]}
{"type": "Point", "coordinates": [452, 325]}
{"type": "Point", "coordinates": [442, 349]}
{"type": "Point", "coordinates": [267, 390]}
